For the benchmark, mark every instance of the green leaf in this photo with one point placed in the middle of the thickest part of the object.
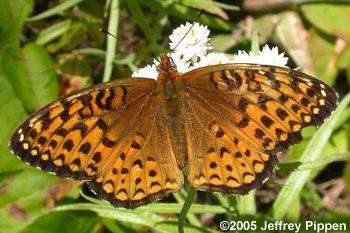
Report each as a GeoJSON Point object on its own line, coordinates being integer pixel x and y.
{"type": "Point", "coordinates": [293, 36]}
{"type": "Point", "coordinates": [222, 42]}
{"type": "Point", "coordinates": [12, 112]}
{"type": "Point", "coordinates": [76, 71]}
{"type": "Point", "coordinates": [53, 32]}
{"type": "Point", "coordinates": [30, 72]}
{"type": "Point", "coordinates": [69, 40]}
{"type": "Point", "coordinates": [94, 9]}
{"type": "Point", "coordinates": [322, 51]}
{"type": "Point", "coordinates": [67, 222]}
{"type": "Point", "coordinates": [23, 184]}
{"type": "Point", "coordinates": [119, 226]}
{"type": "Point", "coordinates": [12, 16]}
{"type": "Point", "coordinates": [23, 198]}
{"type": "Point", "coordinates": [11, 24]}
{"type": "Point", "coordinates": [337, 217]}
{"type": "Point", "coordinates": [13, 12]}
{"type": "Point", "coordinates": [333, 19]}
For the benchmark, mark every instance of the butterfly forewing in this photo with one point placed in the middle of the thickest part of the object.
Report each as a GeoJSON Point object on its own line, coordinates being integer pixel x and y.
{"type": "Point", "coordinates": [67, 129]}
{"type": "Point", "coordinates": [245, 114]}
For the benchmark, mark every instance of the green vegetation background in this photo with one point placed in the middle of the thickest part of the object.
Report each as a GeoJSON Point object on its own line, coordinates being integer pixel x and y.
{"type": "Point", "coordinates": [50, 48]}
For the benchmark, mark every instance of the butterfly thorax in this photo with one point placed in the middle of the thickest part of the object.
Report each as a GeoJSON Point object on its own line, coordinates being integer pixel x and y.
{"type": "Point", "coordinates": [169, 88]}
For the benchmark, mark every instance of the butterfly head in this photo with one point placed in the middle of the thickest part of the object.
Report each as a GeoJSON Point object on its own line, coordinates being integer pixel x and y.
{"type": "Point", "coordinates": [166, 64]}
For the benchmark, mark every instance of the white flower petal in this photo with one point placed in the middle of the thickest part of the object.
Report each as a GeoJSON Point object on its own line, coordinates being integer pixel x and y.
{"type": "Point", "coordinates": [149, 71]}
{"type": "Point", "coordinates": [196, 42]}
{"type": "Point", "coordinates": [211, 59]}
{"type": "Point", "coordinates": [182, 63]}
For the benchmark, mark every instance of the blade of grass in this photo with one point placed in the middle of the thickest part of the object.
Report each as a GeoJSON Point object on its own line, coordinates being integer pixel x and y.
{"type": "Point", "coordinates": [146, 219]}
{"type": "Point", "coordinates": [298, 166]}
{"type": "Point", "coordinates": [140, 19]}
{"type": "Point", "coordinates": [186, 13]}
{"type": "Point", "coordinates": [111, 42]}
{"type": "Point", "coordinates": [181, 198]}
{"type": "Point", "coordinates": [142, 216]}
{"type": "Point", "coordinates": [118, 59]}
{"type": "Point", "coordinates": [230, 203]}
{"type": "Point", "coordinates": [159, 208]}
{"type": "Point", "coordinates": [246, 204]}
{"type": "Point", "coordinates": [296, 181]}
{"type": "Point", "coordinates": [187, 205]}
{"type": "Point", "coordinates": [255, 41]}
{"type": "Point", "coordinates": [53, 32]}
{"type": "Point", "coordinates": [222, 200]}
{"type": "Point", "coordinates": [55, 10]}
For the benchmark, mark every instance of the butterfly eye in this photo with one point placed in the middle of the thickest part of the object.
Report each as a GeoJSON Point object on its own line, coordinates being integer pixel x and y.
{"type": "Point", "coordinates": [173, 65]}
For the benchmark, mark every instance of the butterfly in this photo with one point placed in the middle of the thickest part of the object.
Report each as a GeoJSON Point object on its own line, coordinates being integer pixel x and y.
{"type": "Point", "coordinates": [130, 138]}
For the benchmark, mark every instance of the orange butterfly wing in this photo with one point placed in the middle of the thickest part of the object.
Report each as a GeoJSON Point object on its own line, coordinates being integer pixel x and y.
{"type": "Point", "coordinates": [240, 115]}
{"type": "Point", "coordinates": [117, 135]}
{"type": "Point", "coordinates": [107, 134]}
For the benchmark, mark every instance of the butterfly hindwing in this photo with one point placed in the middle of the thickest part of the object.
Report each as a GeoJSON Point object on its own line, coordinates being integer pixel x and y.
{"type": "Point", "coordinates": [146, 168]}
{"type": "Point", "coordinates": [220, 162]}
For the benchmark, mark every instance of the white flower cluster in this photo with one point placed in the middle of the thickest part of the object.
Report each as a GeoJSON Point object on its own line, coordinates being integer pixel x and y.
{"type": "Point", "coordinates": [266, 56]}
{"type": "Point", "coordinates": [193, 52]}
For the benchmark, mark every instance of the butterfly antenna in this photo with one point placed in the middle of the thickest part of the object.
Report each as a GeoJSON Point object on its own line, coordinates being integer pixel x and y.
{"type": "Point", "coordinates": [203, 10]}
{"type": "Point", "coordinates": [128, 44]}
